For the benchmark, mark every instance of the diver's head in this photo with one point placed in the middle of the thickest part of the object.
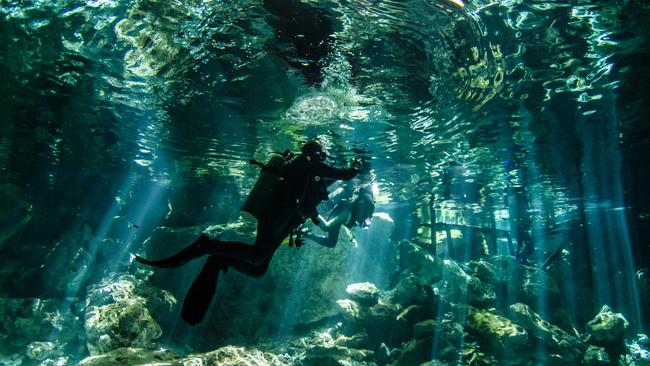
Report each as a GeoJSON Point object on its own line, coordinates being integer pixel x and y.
{"type": "Point", "coordinates": [363, 208]}
{"type": "Point", "coordinates": [314, 150]}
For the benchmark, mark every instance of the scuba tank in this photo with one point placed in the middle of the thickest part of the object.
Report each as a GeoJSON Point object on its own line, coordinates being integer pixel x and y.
{"type": "Point", "coordinates": [267, 188]}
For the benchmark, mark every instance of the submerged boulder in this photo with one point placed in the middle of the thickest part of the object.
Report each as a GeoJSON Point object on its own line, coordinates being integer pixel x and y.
{"type": "Point", "coordinates": [40, 351]}
{"type": "Point", "coordinates": [117, 314]}
{"type": "Point", "coordinates": [413, 352]}
{"type": "Point", "coordinates": [225, 356]}
{"type": "Point", "coordinates": [381, 322]}
{"type": "Point", "coordinates": [559, 346]}
{"type": "Point", "coordinates": [460, 286]}
{"type": "Point", "coordinates": [638, 350]}
{"type": "Point", "coordinates": [525, 284]}
{"type": "Point", "coordinates": [337, 355]}
{"type": "Point", "coordinates": [365, 293]}
{"type": "Point", "coordinates": [352, 311]}
{"type": "Point", "coordinates": [411, 290]}
{"type": "Point", "coordinates": [596, 356]}
{"type": "Point", "coordinates": [607, 326]}
{"type": "Point", "coordinates": [134, 357]}
{"type": "Point", "coordinates": [448, 336]}
{"type": "Point", "coordinates": [416, 260]}
{"type": "Point", "coordinates": [38, 328]}
{"type": "Point", "coordinates": [503, 338]}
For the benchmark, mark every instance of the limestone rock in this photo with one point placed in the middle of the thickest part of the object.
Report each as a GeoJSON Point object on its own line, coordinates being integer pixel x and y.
{"type": "Point", "coordinates": [607, 326]}
{"type": "Point", "coordinates": [120, 325]}
{"type": "Point", "coordinates": [448, 336]}
{"type": "Point", "coordinates": [57, 361]}
{"type": "Point", "coordinates": [351, 310]}
{"type": "Point", "coordinates": [484, 271]}
{"type": "Point", "coordinates": [132, 356]}
{"type": "Point", "coordinates": [225, 356]}
{"type": "Point", "coordinates": [358, 340]}
{"type": "Point", "coordinates": [498, 334]}
{"type": "Point", "coordinates": [421, 263]}
{"type": "Point", "coordinates": [639, 350]}
{"type": "Point", "coordinates": [321, 355]}
{"type": "Point", "coordinates": [420, 351]}
{"type": "Point", "coordinates": [410, 290]}
{"type": "Point", "coordinates": [446, 331]}
{"type": "Point", "coordinates": [390, 323]}
{"type": "Point", "coordinates": [117, 314]}
{"type": "Point", "coordinates": [559, 346]}
{"type": "Point", "coordinates": [414, 352]}
{"type": "Point", "coordinates": [23, 321]}
{"type": "Point", "coordinates": [434, 363]}
{"type": "Point", "coordinates": [365, 293]}
{"type": "Point", "coordinates": [39, 351]}
{"type": "Point", "coordinates": [525, 284]}
{"type": "Point", "coordinates": [459, 286]}
{"type": "Point", "coordinates": [596, 356]}
{"type": "Point", "coordinates": [237, 356]}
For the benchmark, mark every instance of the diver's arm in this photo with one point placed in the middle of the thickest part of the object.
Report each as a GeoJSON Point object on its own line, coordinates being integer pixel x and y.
{"type": "Point", "coordinates": [332, 228]}
{"type": "Point", "coordinates": [325, 171]}
{"type": "Point", "coordinates": [327, 241]}
{"type": "Point", "coordinates": [336, 221]}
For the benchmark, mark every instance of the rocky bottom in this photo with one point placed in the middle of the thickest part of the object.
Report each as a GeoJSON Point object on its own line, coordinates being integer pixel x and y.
{"type": "Point", "coordinates": [439, 312]}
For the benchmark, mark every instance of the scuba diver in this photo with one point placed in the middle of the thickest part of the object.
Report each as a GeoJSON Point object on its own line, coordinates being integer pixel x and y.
{"type": "Point", "coordinates": [352, 209]}
{"type": "Point", "coordinates": [285, 195]}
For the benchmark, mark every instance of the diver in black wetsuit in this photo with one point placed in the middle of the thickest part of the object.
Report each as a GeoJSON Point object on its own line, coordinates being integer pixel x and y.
{"type": "Point", "coordinates": [352, 209]}
{"type": "Point", "coordinates": [294, 201]}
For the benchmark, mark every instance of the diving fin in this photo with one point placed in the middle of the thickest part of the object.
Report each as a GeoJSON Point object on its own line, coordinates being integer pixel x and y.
{"type": "Point", "coordinates": [199, 296]}
{"type": "Point", "coordinates": [197, 249]}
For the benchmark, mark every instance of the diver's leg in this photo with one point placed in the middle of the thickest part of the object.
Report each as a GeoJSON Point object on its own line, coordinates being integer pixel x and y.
{"type": "Point", "coordinates": [200, 295]}
{"type": "Point", "coordinates": [270, 233]}
{"type": "Point", "coordinates": [327, 241]}
{"type": "Point", "coordinates": [249, 269]}
{"type": "Point", "coordinates": [264, 247]}
{"type": "Point", "coordinates": [197, 249]}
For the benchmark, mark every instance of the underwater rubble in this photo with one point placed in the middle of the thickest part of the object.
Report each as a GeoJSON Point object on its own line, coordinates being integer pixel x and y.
{"type": "Point", "coordinates": [438, 312]}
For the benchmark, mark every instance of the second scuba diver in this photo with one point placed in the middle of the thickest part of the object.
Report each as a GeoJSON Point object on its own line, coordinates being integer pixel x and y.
{"type": "Point", "coordinates": [285, 195]}
{"type": "Point", "coordinates": [352, 209]}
